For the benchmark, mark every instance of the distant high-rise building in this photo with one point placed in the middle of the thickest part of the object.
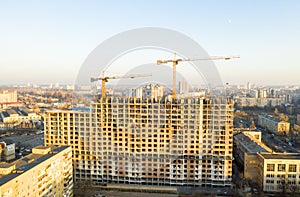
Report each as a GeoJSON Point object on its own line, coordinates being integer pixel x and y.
{"type": "Point", "coordinates": [56, 86]}
{"type": "Point", "coordinates": [155, 91]}
{"type": "Point", "coordinates": [249, 86]}
{"type": "Point", "coordinates": [183, 87]}
{"type": "Point", "coordinates": [70, 87]}
{"type": "Point", "coordinates": [262, 93]}
{"type": "Point", "coordinates": [185, 141]}
{"type": "Point", "coordinates": [137, 92]}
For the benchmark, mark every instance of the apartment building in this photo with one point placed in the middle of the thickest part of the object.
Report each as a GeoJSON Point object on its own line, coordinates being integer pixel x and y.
{"type": "Point", "coordinates": [279, 172]}
{"type": "Point", "coordinates": [47, 171]}
{"type": "Point", "coordinates": [152, 142]}
{"type": "Point", "coordinates": [273, 124]}
{"type": "Point", "coordinates": [258, 102]}
{"type": "Point", "coordinates": [154, 91]}
{"type": "Point", "coordinates": [183, 87]}
{"type": "Point", "coordinates": [8, 98]}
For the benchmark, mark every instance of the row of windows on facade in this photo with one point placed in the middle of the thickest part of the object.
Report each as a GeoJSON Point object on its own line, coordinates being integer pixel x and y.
{"type": "Point", "coordinates": [134, 173]}
{"type": "Point", "coordinates": [163, 138]}
{"type": "Point", "coordinates": [282, 176]}
{"type": "Point", "coordinates": [282, 167]}
{"type": "Point", "coordinates": [290, 182]}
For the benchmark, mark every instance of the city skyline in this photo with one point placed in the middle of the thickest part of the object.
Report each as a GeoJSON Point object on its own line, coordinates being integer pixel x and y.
{"type": "Point", "coordinates": [48, 43]}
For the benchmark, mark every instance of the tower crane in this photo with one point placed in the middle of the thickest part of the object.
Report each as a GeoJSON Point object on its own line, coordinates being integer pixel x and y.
{"type": "Point", "coordinates": [105, 79]}
{"type": "Point", "coordinates": [175, 62]}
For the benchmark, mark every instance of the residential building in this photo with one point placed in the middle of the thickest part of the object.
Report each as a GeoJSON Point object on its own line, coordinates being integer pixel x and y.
{"type": "Point", "coordinates": [273, 125]}
{"type": "Point", "coordinates": [183, 87]}
{"type": "Point", "coordinates": [8, 98]}
{"type": "Point", "coordinates": [47, 171]}
{"type": "Point", "coordinates": [258, 102]}
{"type": "Point", "coordinates": [155, 91]}
{"type": "Point", "coordinates": [152, 142]}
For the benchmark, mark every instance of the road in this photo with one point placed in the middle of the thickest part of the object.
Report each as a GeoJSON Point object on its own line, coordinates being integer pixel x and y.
{"type": "Point", "coordinates": [276, 143]}
{"type": "Point", "coordinates": [24, 142]}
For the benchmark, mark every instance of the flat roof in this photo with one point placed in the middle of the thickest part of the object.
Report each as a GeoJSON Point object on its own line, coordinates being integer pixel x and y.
{"type": "Point", "coordinates": [42, 147]}
{"type": "Point", "coordinates": [249, 144]}
{"type": "Point", "coordinates": [6, 165]}
{"type": "Point", "coordinates": [11, 112]}
{"type": "Point", "coordinates": [28, 162]}
{"type": "Point", "coordinates": [286, 156]}
{"type": "Point", "coordinates": [271, 118]}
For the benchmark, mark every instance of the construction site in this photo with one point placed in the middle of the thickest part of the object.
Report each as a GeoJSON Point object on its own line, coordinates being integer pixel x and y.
{"type": "Point", "coordinates": [128, 140]}
{"type": "Point", "coordinates": [162, 141]}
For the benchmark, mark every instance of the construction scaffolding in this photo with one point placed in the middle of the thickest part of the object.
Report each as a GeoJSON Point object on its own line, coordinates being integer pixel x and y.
{"type": "Point", "coordinates": [128, 140]}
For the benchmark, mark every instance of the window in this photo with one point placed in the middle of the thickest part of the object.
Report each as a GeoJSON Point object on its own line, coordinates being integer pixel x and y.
{"type": "Point", "coordinates": [269, 181]}
{"type": "Point", "coordinates": [281, 176]}
{"type": "Point", "coordinates": [269, 188]}
{"type": "Point", "coordinates": [292, 167]}
{"type": "Point", "coordinates": [292, 176]}
{"type": "Point", "coordinates": [281, 168]}
{"type": "Point", "coordinates": [270, 175]}
{"type": "Point", "coordinates": [270, 167]}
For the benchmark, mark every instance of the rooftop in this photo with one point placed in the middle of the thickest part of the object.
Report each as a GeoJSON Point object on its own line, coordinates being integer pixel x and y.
{"type": "Point", "coordinates": [28, 162]}
{"type": "Point", "coordinates": [271, 118]}
{"type": "Point", "coordinates": [12, 112]}
{"type": "Point", "coordinates": [285, 156]}
{"type": "Point", "coordinates": [251, 144]}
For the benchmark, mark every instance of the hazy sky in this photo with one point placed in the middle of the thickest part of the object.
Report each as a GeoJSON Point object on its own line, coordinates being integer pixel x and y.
{"type": "Point", "coordinates": [47, 41]}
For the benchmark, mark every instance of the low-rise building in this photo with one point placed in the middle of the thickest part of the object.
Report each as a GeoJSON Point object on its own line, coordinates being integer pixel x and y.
{"type": "Point", "coordinates": [18, 115]}
{"type": "Point", "coordinates": [273, 125]}
{"type": "Point", "coordinates": [246, 147]}
{"type": "Point", "coordinates": [279, 172]}
{"type": "Point", "coordinates": [47, 171]}
{"type": "Point", "coordinates": [298, 119]}
{"type": "Point", "coordinates": [7, 151]}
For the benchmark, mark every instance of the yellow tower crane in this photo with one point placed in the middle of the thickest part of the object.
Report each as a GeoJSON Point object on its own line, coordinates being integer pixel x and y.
{"type": "Point", "coordinates": [175, 62]}
{"type": "Point", "coordinates": [105, 79]}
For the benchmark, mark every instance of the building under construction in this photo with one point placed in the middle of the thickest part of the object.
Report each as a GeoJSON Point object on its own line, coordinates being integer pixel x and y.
{"type": "Point", "coordinates": [174, 142]}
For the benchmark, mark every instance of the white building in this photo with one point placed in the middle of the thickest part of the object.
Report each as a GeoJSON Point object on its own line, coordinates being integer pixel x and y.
{"type": "Point", "coordinates": [183, 87]}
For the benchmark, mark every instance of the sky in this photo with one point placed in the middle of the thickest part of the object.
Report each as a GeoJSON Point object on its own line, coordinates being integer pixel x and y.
{"type": "Point", "coordinates": [47, 41]}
